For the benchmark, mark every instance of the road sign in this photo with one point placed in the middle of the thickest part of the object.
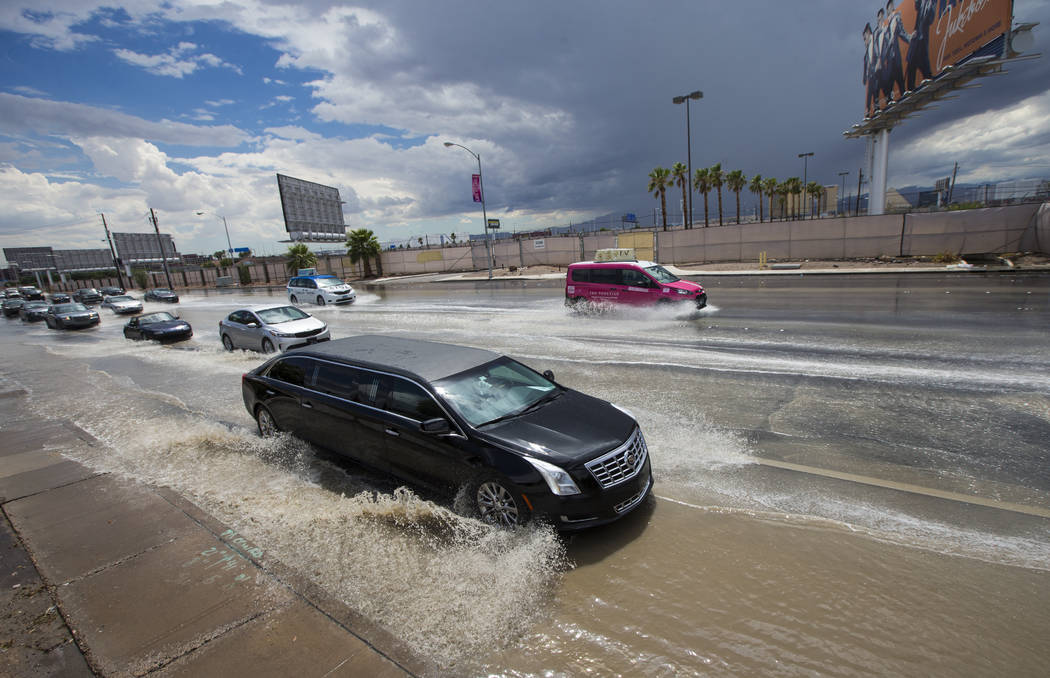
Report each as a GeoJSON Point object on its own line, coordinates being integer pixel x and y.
{"type": "Point", "coordinates": [242, 249]}
{"type": "Point", "coordinates": [493, 223]}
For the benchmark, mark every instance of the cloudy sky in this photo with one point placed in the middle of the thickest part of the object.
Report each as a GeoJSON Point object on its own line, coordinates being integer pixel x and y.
{"type": "Point", "coordinates": [191, 105]}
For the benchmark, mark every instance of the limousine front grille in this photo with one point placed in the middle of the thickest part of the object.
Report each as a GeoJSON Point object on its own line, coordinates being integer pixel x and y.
{"type": "Point", "coordinates": [629, 504]}
{"type": "Point", "coordinates": [309, 333]}
{"type": "Point", "coordinates": [621, 464]}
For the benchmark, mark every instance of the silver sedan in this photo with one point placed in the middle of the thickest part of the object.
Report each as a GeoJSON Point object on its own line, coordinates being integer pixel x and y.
{"type": "Point", "coordinates": [122, 304]}
{"type": "Point", "coordinates": [271, 328]}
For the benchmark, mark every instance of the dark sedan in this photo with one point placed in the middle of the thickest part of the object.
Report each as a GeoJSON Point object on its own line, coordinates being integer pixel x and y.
{"type": "Point", "coordinates": [87, 295]}
{"type": "Point", "coordinates": [511, 441]}
{"type": "Point", "coordinates": [70, 316]}
{"type": "Point", "coordinates": [12, 306]}
{"type": "Point", "coordinates": [33, 311]}
{"type": "Point", "coordinates": [161, 294]}
{"type": "Point", "coordinates": [111, 291]}
{"type": "Point", "coordinates": [30, 293]}
{"type": "Point", "coordinates": [60, 298]}
{"type": "Point", "coordinates": [161, 326]}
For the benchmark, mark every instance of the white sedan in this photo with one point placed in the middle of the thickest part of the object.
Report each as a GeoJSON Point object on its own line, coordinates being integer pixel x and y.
{"type": "Point", "coordinates": [122, 304]}
{"type": "Point", "coordinates": [271, 328]}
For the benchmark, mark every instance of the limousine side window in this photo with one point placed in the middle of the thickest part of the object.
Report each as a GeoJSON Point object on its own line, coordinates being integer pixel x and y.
{"type": "Point", "coordinates": [349, 383]}
{"type": "Point", "coordinates": [294, 371]}
{"type": "Point", "coordinates": [409, 400]}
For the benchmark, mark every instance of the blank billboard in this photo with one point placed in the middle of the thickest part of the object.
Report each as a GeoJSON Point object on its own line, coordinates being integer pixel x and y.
{"type": "Point", "coordinates": [312, 212]}
{"type": "Point", "coordinates": [914, 41]}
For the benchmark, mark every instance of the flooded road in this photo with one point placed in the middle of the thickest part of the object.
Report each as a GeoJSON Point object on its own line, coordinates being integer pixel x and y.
{"type": "Point", "coordinates": [853, 476]}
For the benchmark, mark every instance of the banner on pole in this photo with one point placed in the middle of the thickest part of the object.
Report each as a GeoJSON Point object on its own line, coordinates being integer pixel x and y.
{"type": "Point", "coordinates": [476, 185]}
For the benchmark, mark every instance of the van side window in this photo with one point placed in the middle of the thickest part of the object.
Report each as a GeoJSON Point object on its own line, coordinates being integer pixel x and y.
{"type": "Point", "coordinates": [294, 371]}
{"type": "Point", "coordinates": [606, 276]}
{"type": "Point", "coordinates": [581, 275]}
{"type": "Point", "coordinates": [635, 278]}
{"type": "Point", "coordinates": [350, 383]}
{"type": "Point", "coordinates": [409, 400]}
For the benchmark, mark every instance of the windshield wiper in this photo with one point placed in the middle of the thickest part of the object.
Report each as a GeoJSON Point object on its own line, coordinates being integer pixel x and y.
{"type": "Point", "coordinates": [545, 398]}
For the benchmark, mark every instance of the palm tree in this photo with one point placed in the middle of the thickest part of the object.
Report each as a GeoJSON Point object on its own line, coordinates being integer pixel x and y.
{"type": "Point", "coordinates": [362, 245]}
{"type": "Point", "coordinates": [770, 186]}
{"type": "Point", "coordinates": [300, 256]}
{"type": "Point", "coordinates": [814, 190]}
{"type": "Point", "coordinates": [796, 190]}
{"type": "Point", "coordinates": [702, 183]}
{"type": "Point", "coordinates": [783, 189]}
{"type": "Point", "coordinates": [717, 177]}
{"type": "Point", "coordinates": [680, 174]}
{"type": "Point", "coordinates": [736, 181]}
{"type": "Point", "coordinates": [756, 187]}
{"type": "Point", "coordinates": [659, 182]}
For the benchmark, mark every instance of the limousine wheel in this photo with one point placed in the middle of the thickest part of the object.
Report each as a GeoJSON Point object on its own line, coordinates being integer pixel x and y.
{"type": "Point", "coordinates": [496, 505]}
{"type": "Point", "coordinates": [267, 426]}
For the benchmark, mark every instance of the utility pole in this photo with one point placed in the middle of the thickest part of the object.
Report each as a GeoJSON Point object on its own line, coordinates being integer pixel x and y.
{"type": "Point", "coordinates": [860, 181]}
{"type": "Point", "coordinates": [951, 189]}
{"type": "Point", "coordinates": [160, 244]}
{"type": "Point", "coordinates": [112, 252]}
{"type": "Point", "coordinates": [843, 175]}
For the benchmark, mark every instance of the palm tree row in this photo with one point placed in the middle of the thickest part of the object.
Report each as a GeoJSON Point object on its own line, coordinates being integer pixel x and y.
{"type": "Point", "coordinates": [708, 179]}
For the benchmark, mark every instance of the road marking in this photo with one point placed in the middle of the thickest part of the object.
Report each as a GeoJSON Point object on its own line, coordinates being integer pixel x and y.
{"type": "Point", "coordinates": [908, 487]}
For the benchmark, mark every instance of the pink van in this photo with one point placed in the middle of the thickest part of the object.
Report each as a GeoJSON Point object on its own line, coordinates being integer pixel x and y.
{"type": "Point", "coordinates": [628, 282]}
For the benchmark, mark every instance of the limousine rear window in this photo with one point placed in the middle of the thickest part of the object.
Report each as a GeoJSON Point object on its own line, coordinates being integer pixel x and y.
{"type": "Point", "coordinates": [348, 383]}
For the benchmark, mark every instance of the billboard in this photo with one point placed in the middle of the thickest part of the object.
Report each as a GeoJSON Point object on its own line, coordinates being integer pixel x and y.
{"type": "Point", "coordinates": [915, 41]}
{"type": "Point", "coordinates": [312, 212]}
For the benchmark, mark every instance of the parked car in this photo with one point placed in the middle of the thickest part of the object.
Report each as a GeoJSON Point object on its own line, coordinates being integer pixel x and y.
{"type": "Point", "coordinates": [320, 290]}
{"type": "Point", "coordinates": [33, 311]}
{"type": "Point", "coordinates": [161, 294]}
{"type": "Point", "coordinates": [12, 306]}
{"type": "Point", "coordinates": [160, 326]}
{"type": "Point", "coordinates": [270, 328]}
{"type": "Point", "coordinates": [30, 293]}
{"type": "Point", "coordinates": [628, 281]}
{"type": "Point", "coordinates": [60, 298]}
{"type": "Point", "coordinates": [70, 316]}
{"type": "Point", "coordinates": [87, 295]}
{"type": "Point", "coordinates": [112, 291]}
{"type": "Point", "coordinates": [122, 303]}
{"type": "Point", "coordinates": [469, 421]}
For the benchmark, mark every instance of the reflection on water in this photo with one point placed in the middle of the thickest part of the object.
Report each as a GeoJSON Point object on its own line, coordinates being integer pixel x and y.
{"type": "Point", "coordinates": [737, 568]}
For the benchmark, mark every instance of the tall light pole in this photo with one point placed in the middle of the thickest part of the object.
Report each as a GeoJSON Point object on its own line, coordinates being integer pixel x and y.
{"type": "Point", "coordinates": [689, 146]}
{"type": "Point", "coordinates": [484, 214]}
{"type": "Point", "coordinates": [228, 243]}
{"type": "Point", "coordinates": [805, 172]}
{"type": "Point", "coordinates": [842, 195]}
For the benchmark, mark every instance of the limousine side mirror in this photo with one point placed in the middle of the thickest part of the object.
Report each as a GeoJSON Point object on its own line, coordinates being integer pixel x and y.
{"type": "Point", "coordinates": [436, 426]}
{"type": "Point", "coordinates": [549, 375]}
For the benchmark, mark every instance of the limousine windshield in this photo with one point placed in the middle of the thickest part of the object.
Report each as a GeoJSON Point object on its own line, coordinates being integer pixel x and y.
{"type": "Point", "coordinates": [494, 391]}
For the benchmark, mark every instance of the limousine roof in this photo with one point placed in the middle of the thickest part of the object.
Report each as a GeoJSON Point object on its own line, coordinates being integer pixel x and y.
{"type": "Point", "coordinates": [429, 360]}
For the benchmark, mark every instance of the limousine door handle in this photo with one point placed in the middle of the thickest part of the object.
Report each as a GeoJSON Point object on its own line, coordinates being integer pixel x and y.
{"type": "Point", "coordinates": [269, 392]}
{"type": "Point", "coordinates": [392, 432]}
{"type": "Point", "coordinates": [307, 404]}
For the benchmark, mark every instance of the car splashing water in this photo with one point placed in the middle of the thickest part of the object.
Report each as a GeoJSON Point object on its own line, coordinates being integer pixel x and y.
{"type": "Point", "coordinates": [451, 587]}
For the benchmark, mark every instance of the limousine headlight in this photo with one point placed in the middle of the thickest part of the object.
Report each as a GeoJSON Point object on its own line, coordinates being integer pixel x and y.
{"type": "Point", "coordinates": [558, 479]}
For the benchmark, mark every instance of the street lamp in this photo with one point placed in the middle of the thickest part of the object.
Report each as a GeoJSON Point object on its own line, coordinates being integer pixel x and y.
{"type": "Point", "coordinates": [481, 191]}
{"type": "Point", "coordinates": [805, 171]}
{"type": "Point", "coordinates": [227, 228]}
{"type": "Point", "coordinates": [689, 145]}
{"type": "Point", "coordinates": [842, 174]}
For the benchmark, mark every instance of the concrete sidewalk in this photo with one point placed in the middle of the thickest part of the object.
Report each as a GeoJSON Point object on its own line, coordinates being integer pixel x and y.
{"type": "Point", "coordinates": [104, 576]}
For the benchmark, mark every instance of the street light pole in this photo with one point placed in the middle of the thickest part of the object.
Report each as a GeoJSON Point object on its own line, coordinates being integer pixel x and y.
{"type": "Point", "coordinates": [484, 214]}
{"type": "Point", "coordinates": [838, 209]}
{"type": "Point", "coordinates": [225, 227]}
{"type": "Point", "coordinates": [805, 172]}
{"type": "Point", "coordinates": [689, 146]}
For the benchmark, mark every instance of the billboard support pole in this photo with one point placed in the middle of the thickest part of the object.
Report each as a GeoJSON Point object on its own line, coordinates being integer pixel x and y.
{"type": "Point", "coordinates": [880, 165]}
{"type": "Point", "coordinates": [160, 243]}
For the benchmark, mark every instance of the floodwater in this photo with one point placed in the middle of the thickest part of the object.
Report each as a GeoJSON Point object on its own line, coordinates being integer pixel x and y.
{"type": "Point", "coordinates": [853, 476]}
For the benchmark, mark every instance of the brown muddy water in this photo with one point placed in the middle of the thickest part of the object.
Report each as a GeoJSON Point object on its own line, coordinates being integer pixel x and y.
{"type": "Point", "coordinates": [853, 477]}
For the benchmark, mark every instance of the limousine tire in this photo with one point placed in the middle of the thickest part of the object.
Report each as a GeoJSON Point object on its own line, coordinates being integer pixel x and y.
{"type": "Point", "coordinates": [496, 504]}
{"type": "Point", "coordinates": [267, 426]}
